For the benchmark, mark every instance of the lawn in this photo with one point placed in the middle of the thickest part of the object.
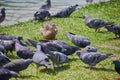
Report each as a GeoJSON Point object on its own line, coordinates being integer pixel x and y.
{"type": "Point", "coordinates": [74, 69]}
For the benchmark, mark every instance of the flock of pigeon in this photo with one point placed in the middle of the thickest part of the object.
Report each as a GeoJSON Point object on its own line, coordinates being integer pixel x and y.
{"type": "Point", "coordinates": [55, 50]}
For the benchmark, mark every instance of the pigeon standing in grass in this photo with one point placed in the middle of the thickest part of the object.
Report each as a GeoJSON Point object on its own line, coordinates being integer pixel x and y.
{"type": "Point", "coordinates": [6, 74]}
{"type": "Point", "coordinates": [57, 57]}
{"type": "Point", "coordinates": [9, 37]}
{"type": "Point", "coordinates": [23, 51]}
{"type": "Point", "coordinates": [115, 29]}
{"type": "Point", "coordinates": [3, 59]}
{"type": "Point", "coordinates": [117, 66]}
{"type": "Point", "coordinates": [9, 45]}
{"type": "Point", "coordinates": [78, 40]}
{"type": "Point", "coordinates": [66, 12]}
{"type": "Point", "coordinates": [95, 23]}
{"type": "Point", "coordinates": [18, 65]}
{"type": "Point", "coordinates": [46, 5]}
{"type": "Point", "coordinates": [2, 15]}
{"type": "Point", "coordinates": [40, 58]}
{"type": "Point", "coordinates": [41, 14]}
{"type": "Point", "coordinates": [92, 58]}
{"type": "Point", "coordinates": [90, 49]}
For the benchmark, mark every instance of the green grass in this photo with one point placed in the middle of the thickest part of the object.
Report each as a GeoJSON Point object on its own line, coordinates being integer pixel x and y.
{"type": "Point", "coordinates": [74, 69]}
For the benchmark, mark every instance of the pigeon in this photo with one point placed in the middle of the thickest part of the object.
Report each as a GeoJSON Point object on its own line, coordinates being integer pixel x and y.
{"type": "Point", "coordinates": [95, 23]}
{"type": "Point", "coordinates": [115, 29]}
{"type": "Point", "coordinates": [18, 65]}
{"type": "Point", "coordinates": [78, 40]}
{"type": "Point", "coordinates": [90, 49]}
{"type": "Point", "coordinates": [2, 48]}
{"type": "Point", "coordinates": [4, 59]}
{"type": "Point", "coordinates": [9, 45]}
{"type": "Point", "coordinates": [56, 45]}
{"type": "Point", "coordinates": [41, 14]}
{"type": "Point", "coordinates": [6, 74]}
{"type": "Point", "coordinates": [46, 5]}
{"type": "Point", "coordinates": [117, 66]}
{"type": "Point", "coordinates": [92, 58]}
{"type": "Point", "coordinates": [2, 15]}
{"type": "Point", "coordinates": [9, 37]}
{"type": "Point", "coordinates": [89, 1]}
{"type": "Point", "coordinates": [68, 50]}
{"type": "Point", "coordinates": [40, 58]}
{"type": "Point", "coordinates": [66, 12]}
{"type": "Point", "coordinates": [57, 57]}
{"type": "Point", "coordinates": [23, 51]}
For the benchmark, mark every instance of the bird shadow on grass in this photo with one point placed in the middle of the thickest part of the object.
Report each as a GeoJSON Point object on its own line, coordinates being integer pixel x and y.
{"type": "Point", "coordinates": [26, 76]}
{"type": "Point", "coordinates": [12, 56]}
{"type": "Point", "coordinates": [56, 70]}
{"type": "Point", "coordinates": [101, 69]}
{"type": "Point", "coordinates": [72, 59]}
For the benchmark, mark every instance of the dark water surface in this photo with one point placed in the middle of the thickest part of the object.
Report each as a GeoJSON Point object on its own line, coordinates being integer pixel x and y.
{"type": "Point", "coordinates": [22, 10]}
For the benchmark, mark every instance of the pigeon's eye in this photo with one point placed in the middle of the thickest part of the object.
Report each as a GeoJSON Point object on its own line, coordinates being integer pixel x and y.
{"type": "Point", "coordinates": [46, 59]}
{"type": "Point", "coordinates": [88, 47]}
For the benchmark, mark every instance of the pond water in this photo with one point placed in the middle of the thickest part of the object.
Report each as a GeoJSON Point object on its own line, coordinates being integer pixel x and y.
{"type": "Point", "coordinates": [22, 10]}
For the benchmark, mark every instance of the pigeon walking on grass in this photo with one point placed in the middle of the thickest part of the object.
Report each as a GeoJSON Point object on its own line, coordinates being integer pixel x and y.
{"type": "Point", "coordinates": [6, 74]}
{"type": "Point", "coordinates": [92, 58]}
{"type": "Point", "coordinates": [2, 15]}
{"type": "Point", "coordinates": [23, 51]}
{"type": "Point", "coordinates": [41, 14]}
{"type": "Point", "coordinates": [9, 37]}
{"type": "Point", "coordinates": [18, 65]}
{"type": "Point", "coordinates": [115, 29]}
{"type": "Point", "coordinates": [78, 40]}
{"type": "Point", "coordinates": [40, 58]}
{"type": "Point", "coordinates": [57, 57]}
{"type": "Point", "coordinates": [66, 12]}
{"type": "Point", "coordinates": [117, 66]}
{"type": "Point", "coordinates": [46, 5]}
{"type": "Point", "coordinates": [95, 23]}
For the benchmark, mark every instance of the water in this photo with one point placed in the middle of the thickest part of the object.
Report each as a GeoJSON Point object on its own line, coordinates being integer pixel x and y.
{"type": "Point", "coordinates": [22, 10]}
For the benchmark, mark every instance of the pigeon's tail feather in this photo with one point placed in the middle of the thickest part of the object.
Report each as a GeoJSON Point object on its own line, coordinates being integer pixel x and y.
{"type": "Point", "coordinates": [32, 42]}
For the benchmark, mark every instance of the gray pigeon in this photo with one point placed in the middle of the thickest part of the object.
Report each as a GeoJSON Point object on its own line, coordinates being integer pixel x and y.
{"type": "Point", "coordinates": [9, 45]}
{"type": "Point", "coordinates": [3, 59]}
{"type": "Point", "coordinates": [56, 45]}
{"type": "Point", "coordinates": [66, 12]}
{"type": "Point", "coordinates": [46, 5]}
{"type": "Point", "coordinates": [9, 37]}
{"type": "Point", "coordinates": [6, 74]}
{"type": "Point", "coordinates": [2, 15]}
{"type": "Point", "coordinates": [95, 23]}
{"type": "Point", "coordinates": [90, 49]}
{"type": "Point", "coordinates": [57, 57]}
{"type": "Point", "coordinates": [40, 58]}
{"type": "Point", "coordinates": [78, 40]}
{"type": "Point", "coordinates": [115, 29]}
{"type": "Point", "coordinates": [18, 65]}
{"type": "Point", "coordinates": [92, 58]}
{"type": "Point", "coordinates": [41, 14]}
{"type": "Point", "coordinates": [23, 51]}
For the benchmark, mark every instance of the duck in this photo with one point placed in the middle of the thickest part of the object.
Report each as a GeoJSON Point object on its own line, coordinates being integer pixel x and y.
{"type": "Point", "coordinates": [49, 31]}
